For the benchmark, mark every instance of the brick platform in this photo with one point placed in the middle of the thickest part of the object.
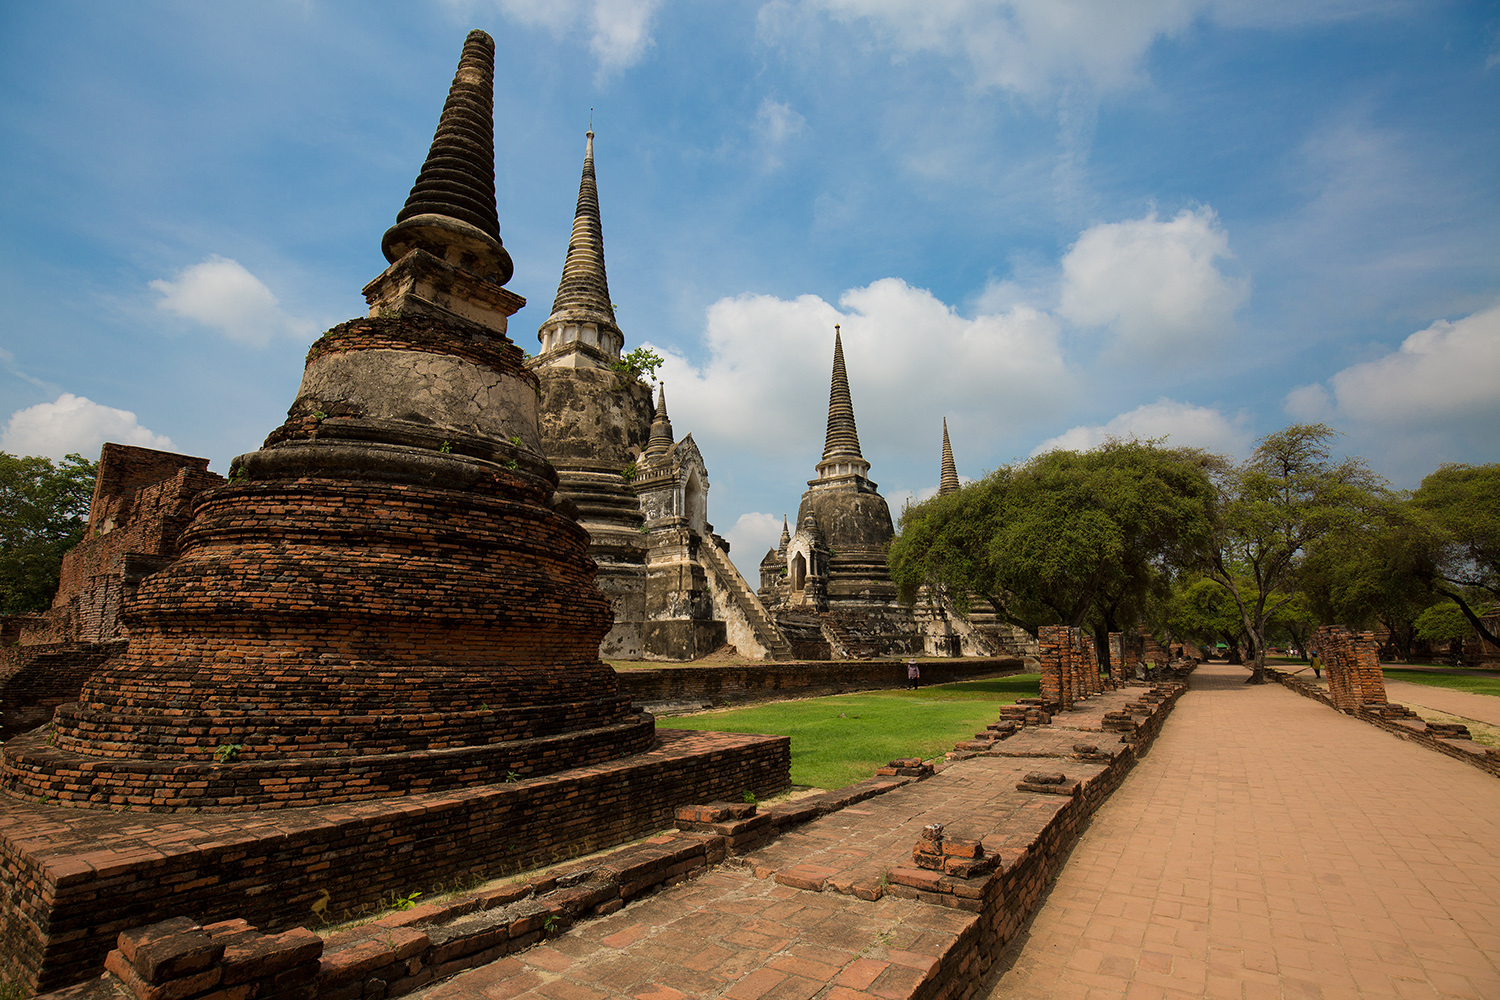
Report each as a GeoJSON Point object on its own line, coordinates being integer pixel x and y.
{"type": "Point", "coordinates": [79, 877]}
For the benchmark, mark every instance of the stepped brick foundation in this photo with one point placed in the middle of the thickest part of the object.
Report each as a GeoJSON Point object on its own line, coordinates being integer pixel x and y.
{"type": "Point", "coordinates": [384, 611]}
{"type": "Point", "coordinates": [78, 878]}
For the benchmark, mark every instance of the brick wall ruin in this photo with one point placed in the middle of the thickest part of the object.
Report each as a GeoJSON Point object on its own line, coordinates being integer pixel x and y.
{"type": "Point", "coordinates": [1352, 660]}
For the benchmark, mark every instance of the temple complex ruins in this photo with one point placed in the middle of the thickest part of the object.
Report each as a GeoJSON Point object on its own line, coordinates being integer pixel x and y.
{"type": "Point", "coordinates": [384, 626]}
{"type": "Point", "coordinates": [642, 497]}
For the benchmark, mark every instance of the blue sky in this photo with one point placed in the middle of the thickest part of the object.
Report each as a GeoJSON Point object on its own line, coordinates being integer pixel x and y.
{"type": "Point", "coordinates": [1045, 220]}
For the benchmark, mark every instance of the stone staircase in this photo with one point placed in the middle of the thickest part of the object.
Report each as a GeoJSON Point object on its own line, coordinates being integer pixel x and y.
{"type": "Point", "coordinates": [749, 606]}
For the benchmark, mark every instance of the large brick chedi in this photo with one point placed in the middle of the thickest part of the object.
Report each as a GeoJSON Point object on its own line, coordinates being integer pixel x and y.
{"type": "Point", "coordinates": [385, 598]}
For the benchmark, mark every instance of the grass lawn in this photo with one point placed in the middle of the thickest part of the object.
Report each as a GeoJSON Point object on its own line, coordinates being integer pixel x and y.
{"type": "Point", "coordinates": [1458, 682]}
{"type": "Point", "coordinates": [842, 739]}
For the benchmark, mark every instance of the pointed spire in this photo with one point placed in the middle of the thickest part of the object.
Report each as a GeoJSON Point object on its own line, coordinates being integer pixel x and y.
{"type": "Point", "coordinates": [841, 454]}
{"type": "Point", "coordinates": [451, 211]}
{"type": "Point", "coordinates": [583, 293]}
{"type": "Point", "coordinates": [661, 427]}
{"type": "Point", "coordinates": [786, 537]}
{"type": "Point", "coordinates": [949, 482]}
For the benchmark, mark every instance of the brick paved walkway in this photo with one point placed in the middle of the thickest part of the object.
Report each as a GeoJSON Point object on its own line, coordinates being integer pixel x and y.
{"type": "Point", "coordinates": [1270, 847]}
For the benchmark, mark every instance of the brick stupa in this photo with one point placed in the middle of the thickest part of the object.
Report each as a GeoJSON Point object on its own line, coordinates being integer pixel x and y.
{"type": "Point", "coordinates": [373, 669]}
{"type": "Point", "coordinates": [386, 598]}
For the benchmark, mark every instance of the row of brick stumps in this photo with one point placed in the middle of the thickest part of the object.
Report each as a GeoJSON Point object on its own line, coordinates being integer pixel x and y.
{"type": "Point", "coordinates": [1069, 666]}
{"type": "Point", "coordinates": [179, 959]}
{"type": "Point", "coordinates": [1003, 887]}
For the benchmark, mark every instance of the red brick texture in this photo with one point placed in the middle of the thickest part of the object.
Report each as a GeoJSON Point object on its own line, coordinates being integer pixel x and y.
{"type": "Point", "coordinates": [78, 878]}
{"type": "Point", "coordinates": [1353, 663]}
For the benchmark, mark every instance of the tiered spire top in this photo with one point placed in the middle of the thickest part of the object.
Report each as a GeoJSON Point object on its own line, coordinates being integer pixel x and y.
{"type": "Point", "coordinates": [661, 426]}
{"type": "Point", "coordinates": [841, 447]}
{"type": "Point", "coordinates": [843, 437]}
{"type": "Point", "coordinates": [949, 482]}
{"type": "Point", "coordinates": [457, 182]}
{"type": "Point", "coordinates": [458, 179]}
{"type": "Point", "coordinates": [583, 293]}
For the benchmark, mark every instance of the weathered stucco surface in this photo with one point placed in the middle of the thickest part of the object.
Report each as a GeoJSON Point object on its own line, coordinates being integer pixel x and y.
{"type": "Point", "coordinates": [434, 389]}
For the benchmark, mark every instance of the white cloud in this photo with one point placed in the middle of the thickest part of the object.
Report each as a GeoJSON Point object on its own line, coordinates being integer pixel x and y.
{"type": "Point", "coordinates": [1157, 285]}
{"type": "Point", "coordinates": [776, 124]}
{"type": "Point", "coordinates": [1182, 424]}
{"type": "Point", "coordinates": [1033, 46]}
{"type": "Point", "coordinates": [74, 424]}
{"type": "Point", "coordinates": [1443, 374]}
{"type": "Point", "coordinates": [911, 359]}
{"type": "Point", "coordinates": [751, 536]}
{"type": "Point", "coordinates": [219, 293]}
{"type": "Point", "coordinates": [1309, 404]}
{"type": "Point", "coordinates": [618, 31]}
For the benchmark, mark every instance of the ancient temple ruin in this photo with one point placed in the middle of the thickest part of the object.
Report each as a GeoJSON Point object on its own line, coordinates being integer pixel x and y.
{"type": "Point", "coordinates": [142, 501]}
{"type": "Point", "coordinates": [331, 564]}
{"type": "Point", "coordinates": [829, 577]}
{"type": "Point", "coordinates": [642, 497]}
{"type": "Point", "coordinates": [380, 637]}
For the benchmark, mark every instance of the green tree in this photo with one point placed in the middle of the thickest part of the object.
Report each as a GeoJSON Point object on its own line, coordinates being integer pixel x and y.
{"type": "Point", "coordinates": [1066, 538]}
{"type": "Point", "coordinates": [1202, 612]}
{"type": "Point", "coordinates": [1288, 496]}
{"type": "Point", "coordinates": [43, 513]}
{"type": "Point", "coordinates": [1460, 507]}
{"type": "Point", "coordinates": [1371, 575]}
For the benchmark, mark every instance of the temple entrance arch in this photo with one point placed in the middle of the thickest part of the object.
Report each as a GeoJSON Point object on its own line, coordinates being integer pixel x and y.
{"type": "Point", "coordinates": [799, 573]}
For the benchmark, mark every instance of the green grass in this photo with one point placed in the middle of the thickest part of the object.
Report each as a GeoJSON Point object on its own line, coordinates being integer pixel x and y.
{"type": "Point", "coordinates": [1458, 682]}
{"type": "Point", "coordinates": [839, 740]}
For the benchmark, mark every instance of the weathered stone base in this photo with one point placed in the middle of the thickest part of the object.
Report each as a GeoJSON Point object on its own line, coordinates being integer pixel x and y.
{"type": "Point", "coordinates": [77, 878]}
{"type": "Point", "coordinates": [682, 638]}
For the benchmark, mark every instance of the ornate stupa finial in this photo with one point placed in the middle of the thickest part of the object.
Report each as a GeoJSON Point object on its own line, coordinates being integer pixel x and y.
{"type": "Point", "coordinates": [450, 212]}
{"type": "Point", "coordinates": [949, 482]}
{"type": "Point", "coordinates": [582, 313]}
{"type": "Point", "coordinates": [661, 426]}
{"type": "Point", "coordinates": [841, 454]}
{"type": "Point", "coordinates": [786, 538]}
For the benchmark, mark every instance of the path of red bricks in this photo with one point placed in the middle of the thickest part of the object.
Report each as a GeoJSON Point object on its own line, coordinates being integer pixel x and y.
{"type": "Point", "coordinates": [1270, 847]}
{"type": "Point", "coordinates": [1266, 847]}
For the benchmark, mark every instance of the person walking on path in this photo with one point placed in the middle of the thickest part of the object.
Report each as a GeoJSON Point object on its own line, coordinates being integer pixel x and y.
{"type": "Point", "coordinates": [913, 674]}
{"type": "Point", "coordinates": [1224, 866]}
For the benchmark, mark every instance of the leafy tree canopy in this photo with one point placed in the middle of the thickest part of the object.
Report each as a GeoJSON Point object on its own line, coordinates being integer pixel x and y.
{"type": "Point", "coordinates": [43, 513]}
{"type": "Point", "coordinates": [1065, 536]}
{"type": "Point", "coordinates": [1285, 499]}
{"type": "Point", "coordinates": [1460, 505]}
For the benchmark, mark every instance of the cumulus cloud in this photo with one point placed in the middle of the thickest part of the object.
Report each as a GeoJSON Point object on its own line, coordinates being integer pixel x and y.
{"type": "Point", "coordinates": [1443, 374]}
{"type": "Point", "coordinates": [911, 358]}
{"type": "Point", "coordinates": [618, 31]}
{"type": "Point", "coordinates": [1032, 46]}
{"type": "Point", "coordinates": [72, 424]}
{"type": "Point", "coordinates": [220, 294]}
{"type": "Point", "coordinates": [1157, 285]}
{"type": "Point", "coordinates": [776, 124]}
{"type": "Point", "coordinates": [1182, 424]}
{"type": "Point", "coordinates": [751, 535]}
